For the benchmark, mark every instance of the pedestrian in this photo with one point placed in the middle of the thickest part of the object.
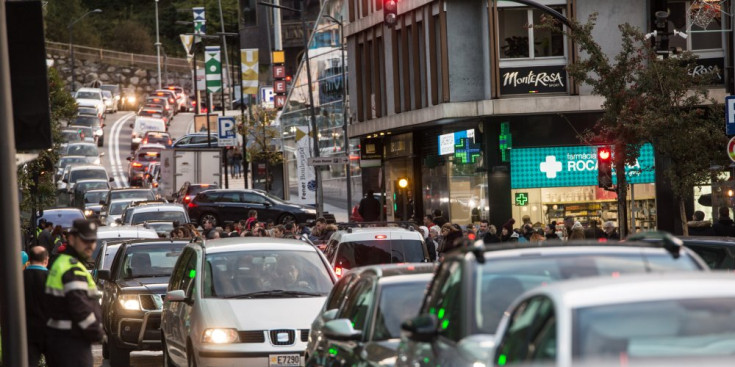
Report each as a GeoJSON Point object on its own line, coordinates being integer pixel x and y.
{"type": "Point", "coordinates": [252, 219]}
{"type": "Point", "coordinates": [279, 231]}
{"type": "Point", "coordinates": [507, 230]}
{"type": "Point", "coordinates": [430, 244]}
{"type": "Point", "coordinates": [38, 230]}
{"type": "Point", "coordinates": [439, 219]}
{"type": "Point", "coordinates": [429, 221]}
{"type": "Point", "coordinates": [698, 226]}
{"type": "Point", "coordinates": [58, 238]}
{"type": "Point", "coordinates": [550, 231]}
{"type": "Point", "coordinates": [451, 237]}
{"type": "Point", "coordinates": [34, 284]}
{"type": "Point", "coordinates": [492, 235]}
{"type": "Point", "coordinates": [45, 239]}
{"type": "Point", "coordinates": [237, 162]}
{"type": "Point", "coordinates": [521, 235]}
{"type": "Point", "coordinates": [724, 225]}
{"type": "Point", "coordinates": [73, 302]}
{"type": "Point", "coordinates": [568, 224]}
{"type": "Point", "coordinates": [594, 230]}
{"type": "Point", "coordinates": [527, 232]}
{"type": "Point", "coordinates": [610, 231]}
{"type": "Point", "coordinates": [577, 232]}
{"type": "Point", "coordinates": [230, 155]}
{"type": "Point", "coordinates": [526, 219]}
{"type": "Point", "coordinates": [207, 226]}
{"type": "Point", "coordinates": [484, 226]}
{"type": "Point", "coordinates": [537, 236]}
{"type": "Point", "coordinates": [369, 208]}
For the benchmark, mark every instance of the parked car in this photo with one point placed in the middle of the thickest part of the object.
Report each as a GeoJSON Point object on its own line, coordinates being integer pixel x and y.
{"type": "Point", "coordinates": [474, 286]}
{"type": "Point", "coordinates": [133, 294]}
{"type": "Point", "coordinates": [60, 216]}
{"type": "Point", "coordinates": [686, 319]}
{"type": "Point", "coordinates": [196, 140]}
{"type": "Point", "coordinates": [220, 206]}
{"type": "Point", "coordinates": [188, 191]}
{"type": "Point", "coordinates": [88, 150]}
{"type": "Point", "coordinates": [143, 125]}
{"type": "Point", "coordinates": [233, 302]}
{"type": "Point", "coordinates": [90, 97]}
{"type": "Point", "coordinates": [139, 161]}
{"type": "Point", "coordinates": [365, 314]}
{"type": "Point", "coordinates": [355, 247]}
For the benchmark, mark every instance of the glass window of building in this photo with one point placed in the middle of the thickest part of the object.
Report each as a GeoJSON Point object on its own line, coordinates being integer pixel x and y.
{"type": "Point", "coordinates": [710, 40]}
{"type": "Point", "coordinates": [520, 40]}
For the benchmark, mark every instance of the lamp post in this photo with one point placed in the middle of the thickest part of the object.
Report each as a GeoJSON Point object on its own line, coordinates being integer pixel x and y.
{"type": "Point", "coordinates": [158, 49]}
{"type": "Point", "coordinates": [348, 173]}
{"type": "Point", "coordinates": [70, 27]}
{"type": "Point", "coordinates": [314, 132]}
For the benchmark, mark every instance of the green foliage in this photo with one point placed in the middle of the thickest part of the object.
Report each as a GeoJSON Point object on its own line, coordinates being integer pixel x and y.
{"type": "Point", "coordinates": [261, 135]}
{"type": "Point", "coordinates": [131, 37]}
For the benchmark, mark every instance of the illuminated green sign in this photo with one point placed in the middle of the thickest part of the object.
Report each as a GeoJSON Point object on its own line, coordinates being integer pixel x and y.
{"type": "Point", "coordinates": [505, 141]}
{"type": "Point", "coordinates": [521, 198]}
{"type": "Point", "coordinates": [570, 166]}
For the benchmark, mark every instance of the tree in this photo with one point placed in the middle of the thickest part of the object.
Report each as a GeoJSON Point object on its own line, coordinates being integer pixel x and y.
{"type": "Point", "coordinates": [131, 37]}
{"type": "Point", "coordinates": [650, 99]}
{"type": "Point", "coordinates": [261, 135]}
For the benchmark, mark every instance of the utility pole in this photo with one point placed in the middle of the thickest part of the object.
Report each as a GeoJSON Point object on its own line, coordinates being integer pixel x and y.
{"type": "Point", "coordinates": [70, 27]}
{"type": "Point", "coordinates": [158, 49]}
{"type": "Point", "coordinates": [224, 50]}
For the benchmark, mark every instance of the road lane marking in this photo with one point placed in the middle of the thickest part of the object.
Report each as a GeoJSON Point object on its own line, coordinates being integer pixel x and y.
{"type": "Point", "coordinates": [114, 151]}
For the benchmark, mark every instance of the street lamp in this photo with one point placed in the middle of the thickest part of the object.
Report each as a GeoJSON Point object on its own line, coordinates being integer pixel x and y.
{"type": "Point", "coordinates": [348, 173]}
{"type": "Point", "coordinates": [317, 173]}
{"type": "Point", "coordinates": [158, 49]}
{"type": "Point", "coordinates": [71, 43]}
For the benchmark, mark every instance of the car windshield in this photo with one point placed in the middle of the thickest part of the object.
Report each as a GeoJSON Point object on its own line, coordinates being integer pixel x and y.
{"type": "Point", "coordinates": [64, 218]}
{"type": "Point", "coordinates": [87, 95]}
{"type": "Point", "coordinates": [398, 302]}
{"type": "Point", "coordinates": [265, 274]}
{"type": "Point", "coordinates": [152, 260]}
{"type": "Point", "coordinates": [87, 111]}
{"type": "Point", "coordinates": [89, 121]}
{"type": "Point", "coordinates": [169, 216]}
{"type": "Point", "coordinates": [94, 197]}
{"type": "Point", "coordinates": [117, 207]}
{"type": "Point", "coordinates": [106, 93]}
{"type": "Point", "coordinates": [79, 149]}
{"type": "Point", "coordinates": [85, 186]}
{"type": "Point", "coordinates": [501, 280]}
{"type": "Point", "coordinates": [703, 327]}
{"type": "Point", "coordinates": [71, 136]}
{"type": "Point", "coordinates": [132, 194]}
{"type": "Point", "coordinates": [64, 161]}
{"type": "Point", "coordinates": [87, 174]}
{"type": "Point", "coordinates": [354, 254]}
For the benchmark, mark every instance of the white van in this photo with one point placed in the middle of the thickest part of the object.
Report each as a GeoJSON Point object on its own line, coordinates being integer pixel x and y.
{"type": "Point", "coordinates": [143, 125]}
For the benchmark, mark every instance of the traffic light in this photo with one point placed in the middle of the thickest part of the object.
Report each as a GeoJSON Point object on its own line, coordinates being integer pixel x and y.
{"type": "Point", "coordinates": [390, 12]}
{"type": "Point", "coordinates": [604, 167]}
{"type": "Point", "coordinates": [400, 198]}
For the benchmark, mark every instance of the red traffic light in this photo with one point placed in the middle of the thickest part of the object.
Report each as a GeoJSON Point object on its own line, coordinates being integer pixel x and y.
{"type": "Point", "coordinates": [603, 154]}
{"type": "Point", "coordinates": [288, 78]}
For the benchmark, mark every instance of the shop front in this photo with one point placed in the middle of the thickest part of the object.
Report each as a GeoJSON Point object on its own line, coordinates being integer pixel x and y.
{"type": "Point", "coordinates": [551, 183]}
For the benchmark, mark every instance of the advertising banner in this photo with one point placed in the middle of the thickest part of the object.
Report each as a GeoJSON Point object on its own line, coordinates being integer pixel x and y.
{"type": "Point", "coordinates": [249, 64]}
{"type": "Point", "coordinates": [534, 79]}
{"type": "Point", "coordinates": [213, 68]}
{"type": "Point", "coordinates": [304, 173]}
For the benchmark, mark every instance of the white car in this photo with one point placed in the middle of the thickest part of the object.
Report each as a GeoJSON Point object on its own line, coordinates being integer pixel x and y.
{"type": "Point", "coordinates": [246, 301]}
{"type": "Point", "coordinates": [143, 125]}
{"type": "Point", "coordinates": [91, 97]}
{"type": "Point", "coordinates": [675, 318]}
{"type": "Point", "coordinates": [114, 210]}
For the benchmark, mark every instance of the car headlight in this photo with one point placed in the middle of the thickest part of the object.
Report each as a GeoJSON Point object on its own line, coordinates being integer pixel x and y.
{"type": "Point", "coordinates": [220, 336]}
{"type": "Point", "coordinates": [131, 99]}
{"type": "Point", "coordinates": [88, 213]}
{"type": "Point", "coordinates": [117, 98]}
{"type": "Point", "coordinates": [310, 211]}
{"type": "Point", "coordinates": [108, 102]}
{"type": "Point", "coordinates": [129, 302]}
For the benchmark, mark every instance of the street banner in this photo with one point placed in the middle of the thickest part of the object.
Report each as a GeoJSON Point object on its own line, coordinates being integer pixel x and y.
{"type": "Point", "coordinates": [213, 68]}
{"type": "Point", "coordinates": [187, 40]}
{"type": "Point", "coordinates": [249, 65]}
{"type": "Point", "coordinates": [305, 173]}
{"type": "Point", "coordinates": [200, 22]}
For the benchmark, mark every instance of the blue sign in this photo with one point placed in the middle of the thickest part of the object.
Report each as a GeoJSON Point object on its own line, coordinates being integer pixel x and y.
{"type": "Point", "coordinates": [570, 166]}
{"type": "Point", "coordinates": [226, 134]}
{"type": "Point", "coordinates": [730, 114]}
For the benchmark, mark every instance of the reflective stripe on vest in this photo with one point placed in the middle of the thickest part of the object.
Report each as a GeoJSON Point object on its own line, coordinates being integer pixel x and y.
{"type": "Point", "coordinates": [59, 324]}
{"type": "Point", "coordinates": [63, 263]}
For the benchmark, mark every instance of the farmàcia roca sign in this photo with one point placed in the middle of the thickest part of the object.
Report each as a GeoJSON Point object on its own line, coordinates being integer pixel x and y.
{"type": "Point", "coordinates": [570, 166]}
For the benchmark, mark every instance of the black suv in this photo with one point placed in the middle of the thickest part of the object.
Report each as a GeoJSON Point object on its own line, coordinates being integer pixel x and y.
{"type": "Point", "coordinates": [133, 292]}
{"type": "Point", "coordinates": [220, 206]}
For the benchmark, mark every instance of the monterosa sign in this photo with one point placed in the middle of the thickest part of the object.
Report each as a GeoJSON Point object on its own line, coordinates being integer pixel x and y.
{"type": "Point", "coordinates": [535, 79]}
{"type": "Point", "coordinates": [570, 166]}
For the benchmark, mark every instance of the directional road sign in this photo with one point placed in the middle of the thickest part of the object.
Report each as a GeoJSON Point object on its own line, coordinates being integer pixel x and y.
{"type": "Point", "coordinates": [328, 161]}
{"type": "Point", "coordinates": [226, 134]}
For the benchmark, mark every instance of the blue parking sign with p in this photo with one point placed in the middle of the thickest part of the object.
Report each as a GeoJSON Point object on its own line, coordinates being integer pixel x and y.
{"type": "Point", "coordinates": [226, 127]}
{"type": "Point", "coordinates": [730, 115]}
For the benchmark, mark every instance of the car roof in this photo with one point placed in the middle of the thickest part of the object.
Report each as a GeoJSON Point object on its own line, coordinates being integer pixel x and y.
{"type": "Point", "coordinates": [255, 244]}
{"type": "Point", "coordinates": [88, 89]}
{"type": "Point", "coordinates": [390, 270]}
{"type": "Point", "coordinates": [73, 157]}
{"type": "Point", "coordinates": [125, 232]}
{"type": "Point", "coordinates": [130, 189]}
{"type": "Point", "coordinates": [87, 166]}
{"type": "Point", "coordinates": [582, 248]}
{"type": "Point", "coordinates": [597, 291]}
{"type": "Point", "coordinates": [52, 210]}
{"type": "Point", "coordinates": [720, 240]}
{"type": "Point", "coordinates": [158, 241]}
{"type": "Point", "coordinates": [159, 207]}
{"type": "Point", "coordinates": [406, 278]}
{"type": "Point", "coordinates": [369, 233]}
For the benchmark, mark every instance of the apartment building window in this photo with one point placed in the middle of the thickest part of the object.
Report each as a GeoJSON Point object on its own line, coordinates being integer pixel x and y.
{"type": "Point", "coordinates": [712, 40]}
{"type": "Point", "coordinates": [519, 40]}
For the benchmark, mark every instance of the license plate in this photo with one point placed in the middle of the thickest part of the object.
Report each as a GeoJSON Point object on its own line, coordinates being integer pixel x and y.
{"type": "Point", "coordinates": [283, 360]}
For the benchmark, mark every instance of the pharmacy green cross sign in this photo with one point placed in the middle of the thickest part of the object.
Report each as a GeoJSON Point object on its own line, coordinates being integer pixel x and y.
{"type": "Point", "coordinates": [521, 198]}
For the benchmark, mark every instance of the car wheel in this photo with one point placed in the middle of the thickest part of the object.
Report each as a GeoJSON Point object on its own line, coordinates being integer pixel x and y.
{"type": "Point", "coordinates": [119, 357]}
{"type": "Point", "coordinates": [287, 218]}
{"type": "Point", "coordinates": [208, 217]}
{"type": "Point", "coordinates": [105, 351]}
{"type": "Point", "coordinates": [166, 358]}
{"type": "Point", "coordinates": [190, 357]}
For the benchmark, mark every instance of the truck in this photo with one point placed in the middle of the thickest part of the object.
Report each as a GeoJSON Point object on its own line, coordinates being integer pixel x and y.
{"type": "Point", "coordinates": [180, 165]}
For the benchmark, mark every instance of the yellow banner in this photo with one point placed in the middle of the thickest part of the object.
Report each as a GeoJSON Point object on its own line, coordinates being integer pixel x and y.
{"type": "Point", "coordinates": [249, 65]}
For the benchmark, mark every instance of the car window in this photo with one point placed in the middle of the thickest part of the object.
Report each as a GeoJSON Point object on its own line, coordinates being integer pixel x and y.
{"type": "Point", "coordinates": [95, 197]}
{"type": "Point", "coordinates": [195, 189]}
{"type": "Point", "coordinates": [85, 150]}
{"type": "Point", "coordinates": [132, 194]}
{"type": "Point", "coordinates": [338, 292]}
{"type": "Point", "coordinates": [177, 280]}
{"type": "Point", "coordinates": [202, 139]}
{"type": "Point", "coordinates": [357, 304]}
{"type": "Point", "coordinates": [398, 302]}
{"type": "Point", "coordinates": [672, 328]}
{"type": "Point", "coordinates": [110, 252]}
{"type": "Point", "coordinates": [713, 256]}
{"type": "Point", "coordinates": [531, 334]}
{"type": "Point", "coordinates": [229, 197]}
{"type": "Point", "coordinates": [254, 198]}
{"type": "Point", "coordinates": [87, 174]}
{"type": "Point", "coordinates": [447, 304]}
{"type": "Point", "coordinates": [168, 216]}
{"type": "Point", "coordinates": [87, 95]}
{"type": "Point", "coordinates": [151, 156]}
{"type": "Point", "coordinates": [354, 254]}
{"type": "Point", "coordinates": [90, 121]}
{"type": "Point", "coordinates": [63, 218]}
{"type": "Point", "coordinates": [243, 273]}
{"type": "Point", "coordinates": [117, 207]}
{"type": "Point", "coordinates": [149, 260]}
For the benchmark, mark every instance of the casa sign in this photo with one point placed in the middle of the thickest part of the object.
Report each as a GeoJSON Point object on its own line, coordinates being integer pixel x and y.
{"type": "Point", "coordinates": [570, 166]}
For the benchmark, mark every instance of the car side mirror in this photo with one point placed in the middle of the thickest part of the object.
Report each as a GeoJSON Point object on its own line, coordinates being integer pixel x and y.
{"type": "Point", "coordinates": [421, 328]}
{"type": "Point", "coordinates": [112, 179]}
{"type": "Point", "coordinates": [176, 296]}
{"type": "Point", "coordinates": [129, 158]}
{"type": "Point", "coordinates": [341, 329]}
{"type": "Point", "coordinates": [131, 125]}
{"type": "Point", "coordinates": [103, 274]}
{"type": "Point", "coordinates": [329, 315]}
{"type": "Point", "coordinates": [477, 348]}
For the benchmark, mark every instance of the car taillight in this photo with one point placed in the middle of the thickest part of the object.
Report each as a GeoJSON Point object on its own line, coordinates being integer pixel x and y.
{"type": "Point", "coordinates": [169, 142]}
{"type": "Point", "coordinates": [193, 103]}
{"type": "Point", "coordinates": [381, 237]}
{"type": "Point", "coordinates": [338, 271]}
{"type": "Point", "coordinates": [187, 198]}
{"type": "Point", "coordinates": [145, 141]}
{"type": "Point", "coordinates": [191, 205]}
{"type": "Point", "coordinates": [136, 164]}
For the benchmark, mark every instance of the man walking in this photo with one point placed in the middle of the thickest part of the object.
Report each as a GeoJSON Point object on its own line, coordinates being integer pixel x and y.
{"type": "Point", "coordinates": [73, 302]}
{"type": "Point", "coordinates": [369, 208]}
{"type": "Point", "coordinates": [34, 283]}
{"type": "Point", "coordinates": [44, 238]}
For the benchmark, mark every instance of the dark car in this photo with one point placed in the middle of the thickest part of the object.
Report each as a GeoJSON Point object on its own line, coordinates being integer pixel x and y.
{"type": "Point", "coordinates": [133, 292]}
{"type": "Point", "coordinates": [82, 186]}
{"type": "Point", "coordinates": [94, 123]}
{"type": "Point", "coordinates": [364, 312]}
{"type": "Point", "coordinates": [717, 252]}
{"type": "Point", "coordinates": [196, 140]}
{"type": "Point", "coordinates": [220, 206]}
{"type": "Point", "coordinates": [142, 157]}
{"type": "Point", "coordinates": [61, 216]}
{"type": "Point", "coordinates": [188, 191]}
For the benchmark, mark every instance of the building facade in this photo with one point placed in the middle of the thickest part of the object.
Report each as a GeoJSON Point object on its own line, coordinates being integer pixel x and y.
{"type": "Point", "coordinates": [475, 106]}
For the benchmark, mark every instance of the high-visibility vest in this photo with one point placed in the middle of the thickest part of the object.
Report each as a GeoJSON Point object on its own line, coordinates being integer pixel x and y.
{"type": "Point", "coordinates": [57, 288]}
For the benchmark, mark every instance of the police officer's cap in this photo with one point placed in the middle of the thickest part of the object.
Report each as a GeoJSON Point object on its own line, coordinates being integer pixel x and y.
{"type": "Point", "coordinates": [85, 229]}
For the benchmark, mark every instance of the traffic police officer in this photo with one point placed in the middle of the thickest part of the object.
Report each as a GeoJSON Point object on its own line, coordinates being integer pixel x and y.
{"type": "Point", "coordinates": [73, 302]}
